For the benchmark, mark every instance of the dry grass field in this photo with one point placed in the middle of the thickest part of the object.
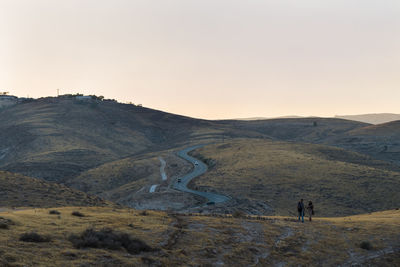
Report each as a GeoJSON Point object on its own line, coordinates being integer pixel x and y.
{"type": "Point", "coordinates": [280, 173]}
{"type": "Point", "coordinates": [21, 191]}
{"type": "Point", "coordinates": [178, 240]}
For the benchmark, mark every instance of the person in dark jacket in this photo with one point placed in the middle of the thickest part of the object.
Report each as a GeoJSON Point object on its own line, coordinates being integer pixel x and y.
{"type": "Point", "coordinates": [310, 210]}
{"type": "Point", "coordinates": [300, 209]}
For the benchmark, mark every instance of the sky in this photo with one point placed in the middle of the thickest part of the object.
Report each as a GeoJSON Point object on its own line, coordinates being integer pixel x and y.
{"type": "Point", "coordinates": [210, 59]}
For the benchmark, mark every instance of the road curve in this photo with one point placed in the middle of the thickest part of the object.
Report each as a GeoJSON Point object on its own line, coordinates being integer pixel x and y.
{"type": "Point", "coordinates": [198, 170]}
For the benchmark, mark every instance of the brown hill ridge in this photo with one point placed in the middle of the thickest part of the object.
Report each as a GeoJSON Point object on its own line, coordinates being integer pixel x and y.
{"type": "Point", "coordinates": [20, 191]}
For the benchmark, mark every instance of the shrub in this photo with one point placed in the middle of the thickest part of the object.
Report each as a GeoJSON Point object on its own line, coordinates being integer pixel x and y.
{"type": "Point", "coordinates": [144, 213]}
{"type": "Point", "coordinates": [77, 214]}
{"type": "Point", "coordinates": [54, 212]}
{"type": "Point", "coordinates": [33, 237]}
{"type": "Point", "coordinates": [238, 214]}
{"type": "Point", "coordinates": [107, 238]}
{"type": "Point", "coordinates": [366, 245]}
{"type": "Point", "coordinates": [5, 223]}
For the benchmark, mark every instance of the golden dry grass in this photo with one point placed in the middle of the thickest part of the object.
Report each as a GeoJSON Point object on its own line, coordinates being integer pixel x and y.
{"type": "Point", "coordinates": [21, 191]}
{"type": "Point", "coordinates": [201, 240]}
{"type": "Point", "coordinates": [280, 173]}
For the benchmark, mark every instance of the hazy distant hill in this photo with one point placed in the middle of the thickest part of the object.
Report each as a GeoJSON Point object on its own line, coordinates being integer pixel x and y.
{"type": "Point", "coordinates": [371, 118]}
{"type": "Point", "coordinates": [314, 130]}
{"type": "Point", "coordinates": [269, 118]}
{"type": "Point", "coordinates": [381, 141]}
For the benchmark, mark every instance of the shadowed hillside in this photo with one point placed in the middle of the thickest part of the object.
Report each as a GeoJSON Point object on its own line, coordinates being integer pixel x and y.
{"type": "Point", "coordinates": [54, 138]}
{"type": "Point", "coordinates": [380, 141]}
{"type": "Point", "coordinates": [314, 130]}
{"type": "Point", "coordinates": [21, 191]}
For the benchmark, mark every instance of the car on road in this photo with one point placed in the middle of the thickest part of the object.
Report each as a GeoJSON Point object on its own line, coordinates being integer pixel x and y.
{"type": "Point", "coordinates": [179, 180]}
{"type": "Point", "coordinates": [196, 163]}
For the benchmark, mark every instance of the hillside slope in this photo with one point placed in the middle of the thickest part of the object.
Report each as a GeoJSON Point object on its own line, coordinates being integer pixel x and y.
{"type": "Point", "coordinates": [278, 173]}
{"type": "Point", "coordinates": [314, 130]}
{"type": "Point", "coordinates": [380, 141]}
{"type": "Point", "coordinates": [55, 138]}
{"type": "Point", "coordinates": [377, 118]}
{"type": "Point", "coordinates": [177, 240]}
{"type": "Point", "coordinates": [21, 191]}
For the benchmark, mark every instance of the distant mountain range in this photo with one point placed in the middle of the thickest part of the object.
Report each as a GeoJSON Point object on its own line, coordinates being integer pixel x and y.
{"type": "Point", "coordinates": [373, 118]}
{"type": "Point", "coordinates": [376, 118]}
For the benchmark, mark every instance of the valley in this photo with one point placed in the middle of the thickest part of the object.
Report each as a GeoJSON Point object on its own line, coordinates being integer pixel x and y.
{"type": "Point", "coordinates": [168, 179]}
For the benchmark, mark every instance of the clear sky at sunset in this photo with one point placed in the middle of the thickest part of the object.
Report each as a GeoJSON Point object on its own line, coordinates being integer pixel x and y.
{"type": "Point", "coordinates": [208, 58]}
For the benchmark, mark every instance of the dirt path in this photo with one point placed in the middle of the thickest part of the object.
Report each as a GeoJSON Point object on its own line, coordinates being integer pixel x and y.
{"type": "Point", "coordinates": [163, 175]}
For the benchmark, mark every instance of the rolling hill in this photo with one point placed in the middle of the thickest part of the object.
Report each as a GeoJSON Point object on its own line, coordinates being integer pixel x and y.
{"type": "Point", "coordinates": [378, 118]}
{"type": "Point", "coordinates": [21, 191]}
{"type": "Point", "coordinates": [279, 173]}
{"type": "Point", "coordinates": [57, 138]}
{"type": "Point", "coordinates": [112, 150]}
{"type": "Point", "coordinates": [380, 141]}
{"type": "Point", "coordinates": [312, 130]}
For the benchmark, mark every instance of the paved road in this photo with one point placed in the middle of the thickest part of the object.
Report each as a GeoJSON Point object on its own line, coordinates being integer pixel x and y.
{"type": "Point", "coordinates": [198, 170]}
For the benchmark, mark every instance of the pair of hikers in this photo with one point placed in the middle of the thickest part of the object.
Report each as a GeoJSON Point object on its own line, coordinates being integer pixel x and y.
{"type": "Point", "coordinates": [301, 210]}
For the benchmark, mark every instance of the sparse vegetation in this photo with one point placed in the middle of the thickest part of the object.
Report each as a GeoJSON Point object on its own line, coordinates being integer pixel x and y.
{"type": "Point", "coordinates": [26, 191]}
{"type": "Point", "coordinates": [238, 214]}
{"type": "Point", "coordinates": [5, 223]}
{"type": "Point", "coordinates": [54, 212]}
{"type": "Point", "coordinates": [77, 214]}
{"type": "Point", "coordinates": [34, 237]}
{"type": "Point", "coordinates": [195, 240]}
{"type": "Point", "coordinates": [278, 173]}
{"type": "Point", "coordinates": [109, 239]}
{"type": "Point", "coordinates": [143, 213]}
{"type": "Point", "coordinates": [366, 245]}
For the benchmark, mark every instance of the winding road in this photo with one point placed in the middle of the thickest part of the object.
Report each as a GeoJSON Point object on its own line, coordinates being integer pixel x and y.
{"type": "Point", "coordinates": [199, 169]}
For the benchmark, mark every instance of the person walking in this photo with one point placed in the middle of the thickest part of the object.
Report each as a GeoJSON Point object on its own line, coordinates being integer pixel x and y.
{"type": "Point", "coordinates": [310, 209]}
{"type": "Point", "coordinates": [300, 209]}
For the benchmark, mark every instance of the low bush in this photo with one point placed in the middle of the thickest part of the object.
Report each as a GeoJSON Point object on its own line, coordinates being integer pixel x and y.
{"type": "Point", "coordinates": [33, 237]}
{"type": "Point", "coordinates": [144, 213]}
{"type": "Point", "coordinates": [238, 214]}
{"type": "Point", "coordinates": [54, 212]}
{"type": "Point", "coordinates": [107, 238]}
{"type": "Point", "coordinates": [77, 214]}
{"type": "Point", "coordinates": [5, 223]}
{"type": "Point", "coordinates": [366, 245]}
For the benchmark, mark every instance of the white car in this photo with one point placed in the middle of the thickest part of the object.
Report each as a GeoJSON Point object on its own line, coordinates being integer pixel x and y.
{"type": "Point", "coordinates": [196, 163]}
